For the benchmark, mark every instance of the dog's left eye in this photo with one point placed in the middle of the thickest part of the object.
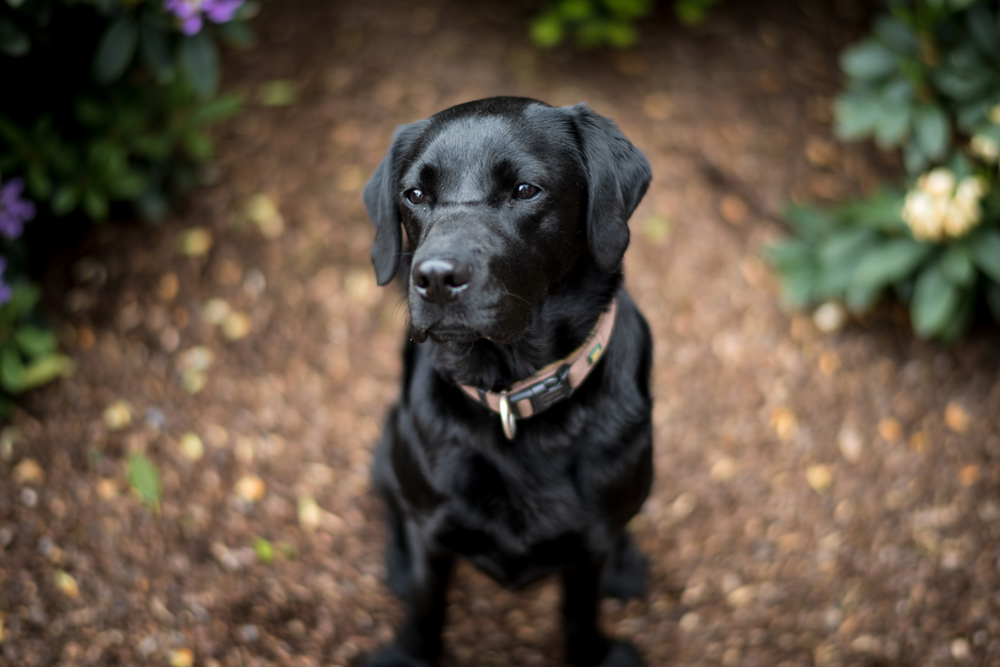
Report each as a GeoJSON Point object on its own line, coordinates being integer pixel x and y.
{"type": "Point", "coordinates": [415, 196]}
{"type": "Point", "coordinates": [526, 191]}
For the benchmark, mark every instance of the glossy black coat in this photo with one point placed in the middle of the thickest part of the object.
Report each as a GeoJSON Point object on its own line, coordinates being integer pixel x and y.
{"type": "Point", "coordinates": [515, 217]}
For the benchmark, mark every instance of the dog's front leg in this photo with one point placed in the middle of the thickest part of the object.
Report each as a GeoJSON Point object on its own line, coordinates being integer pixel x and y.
{"type": "Point", "coordinates": [586, 645]}
{"type": "Point", "coordinates": [418, 641]}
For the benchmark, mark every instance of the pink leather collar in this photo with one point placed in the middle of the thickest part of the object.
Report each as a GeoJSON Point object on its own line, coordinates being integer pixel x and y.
{"type": "Point", "coordinates": [551, 384]}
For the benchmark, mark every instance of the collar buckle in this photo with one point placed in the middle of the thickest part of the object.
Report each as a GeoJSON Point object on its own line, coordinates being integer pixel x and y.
{"type": "Point", "coordinates": [547, 392]}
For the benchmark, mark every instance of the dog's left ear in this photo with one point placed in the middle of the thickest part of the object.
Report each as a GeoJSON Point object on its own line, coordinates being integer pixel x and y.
{"type": "Point", "coordinates": [618, 175]}
{"type": "Point", "coordinates": [381, 200]}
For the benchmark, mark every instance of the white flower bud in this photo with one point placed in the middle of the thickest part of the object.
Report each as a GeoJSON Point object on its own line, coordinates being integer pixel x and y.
{"type": "Point", "coordinates": [923, 214]}
{"type": "Point", "coordinates": [985, 147]}
{"type": "Point", "coordinates": [938, 182]}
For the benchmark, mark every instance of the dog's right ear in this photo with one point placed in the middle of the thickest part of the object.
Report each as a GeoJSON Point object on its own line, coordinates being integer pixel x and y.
{"type": "Point", "coordinates": [383, 208]}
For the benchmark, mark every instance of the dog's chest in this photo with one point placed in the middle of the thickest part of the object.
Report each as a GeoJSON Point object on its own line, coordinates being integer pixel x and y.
{"type": "Point", "coordinates": [514, 522]}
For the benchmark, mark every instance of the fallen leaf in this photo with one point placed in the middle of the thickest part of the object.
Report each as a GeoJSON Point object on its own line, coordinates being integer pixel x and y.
{"type": "Point", "coordinates": [194, 242]}
{"type": "Point", "coordinates": [168, 287]}
{"type": "Point", "coordinates": [820, 478]}
{"type": "Point", "coordinates": [970, 475]}
{"type": "Point", "coordinates": [785, 424]}
{"type": "Point", "coordinates": [144, 477]}
{"type": "Point", "coordinates": [250, 488]}
{"type": "Point", "coordinates": [67, 584]}
{"type": "Point", "coordinates": [656, 228]}
{"type": "Point", "coordinates": [192, 446]}
{"type": "Point", "coordinates": [724, 469]}
{"type": "Point", "coordinates": [28, 472]}
{"type": "Point", "coordinates": [215, 311]}
{"type": "Point", "coordinates": [309, 513]}
{"type": "Point", "coordinates": [890, 429]}
{"type": "Point", "coordinates": [733, 209]}
{"type": "Point", "coordinates": [956, 417]}
{"type": "Point", "coordinates": [117, 416]}
{"type": "Point", "coordinates": [279, 93]}
{"type": "Point", "coordinates": [262, 212]}
{"type": "Point", "coordinates": [182, 657]}
{"type": "Point", "coordinates": [236, 325]}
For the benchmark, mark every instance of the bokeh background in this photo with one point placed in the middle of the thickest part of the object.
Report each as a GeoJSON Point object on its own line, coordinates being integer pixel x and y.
{"type": "Point", "coordinates": [194, 490]}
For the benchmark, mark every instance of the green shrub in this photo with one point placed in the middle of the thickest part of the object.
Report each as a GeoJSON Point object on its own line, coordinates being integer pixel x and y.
{"type": "Point", "coordinates": [927, 81]}
{"type": "Point", "coordinates": [595, 23]}
{"type": "Point", "coordinates": [106, 103]}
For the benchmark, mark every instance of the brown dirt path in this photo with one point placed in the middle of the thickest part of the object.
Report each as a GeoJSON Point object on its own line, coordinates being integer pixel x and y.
{"type": "Point", "coordinates": [824, 499]}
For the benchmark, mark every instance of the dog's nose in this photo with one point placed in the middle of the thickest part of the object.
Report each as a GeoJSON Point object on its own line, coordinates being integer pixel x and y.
{"type": "Point", "coordinates": [440, 280]}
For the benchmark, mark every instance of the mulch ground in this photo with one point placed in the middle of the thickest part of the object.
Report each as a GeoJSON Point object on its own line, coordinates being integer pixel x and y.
{"type": "Point", "coordinates": [821, 498]}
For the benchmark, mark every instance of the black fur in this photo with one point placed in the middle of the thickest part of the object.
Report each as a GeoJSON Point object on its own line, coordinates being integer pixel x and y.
{"type": "Point", "coordinates": [499, 286]}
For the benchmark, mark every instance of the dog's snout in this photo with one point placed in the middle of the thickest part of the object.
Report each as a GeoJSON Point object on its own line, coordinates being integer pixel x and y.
{"type": "Point", "coordinates": [440, 280]}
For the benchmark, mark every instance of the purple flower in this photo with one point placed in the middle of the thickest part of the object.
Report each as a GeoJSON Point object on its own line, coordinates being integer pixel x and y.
{"type": "Point", "coordinates": [14, 211]}
{"type": "Point", "coordinates": [190, 12]}
{"type": "Point", "coordinates": [5, 291]}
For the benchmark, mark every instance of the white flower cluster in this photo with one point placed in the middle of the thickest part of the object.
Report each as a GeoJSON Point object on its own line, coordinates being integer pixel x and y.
{"type": "Point", "coordinates": [940, 208]}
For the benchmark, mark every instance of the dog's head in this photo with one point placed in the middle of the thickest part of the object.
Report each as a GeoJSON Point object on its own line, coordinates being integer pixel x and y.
{"type": "Point", "coordinates": [500, 199]}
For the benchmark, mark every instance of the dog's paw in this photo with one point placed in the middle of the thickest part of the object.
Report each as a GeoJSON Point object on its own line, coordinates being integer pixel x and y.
{"type": "Point", "coordinates": [625, 573]}
{"type": "Point", "coordinates": [615, 654]}
{"type": "Point", "coordinates": [394, 656]}
{"type": "Point", "coordinates": [622, 654]}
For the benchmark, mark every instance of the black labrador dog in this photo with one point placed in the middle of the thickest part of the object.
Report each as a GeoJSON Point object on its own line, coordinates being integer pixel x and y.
{"type": "Point", "coordinates": [522, 439]}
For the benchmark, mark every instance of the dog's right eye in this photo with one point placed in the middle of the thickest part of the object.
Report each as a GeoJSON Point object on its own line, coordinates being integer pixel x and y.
{"type": "Point", "coordinates": [414, 196]}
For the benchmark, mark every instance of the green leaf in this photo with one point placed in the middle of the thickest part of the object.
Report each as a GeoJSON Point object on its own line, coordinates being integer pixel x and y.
{"type": "Point", "coordinates": [39, 182]}
{"type": "Point", "coordinates": [981, 25]}
{"type": "Point", "coordinates": [808, 222]}
{"type": "Point", "coordinates": [200, 62]}
{"type": "Point", "coordinates": [11, 370]}
{"type": "Point", "coordinates": [95, 204]}
{"type": "Point", "coordinates": [547, 30]}
{"type": "Point", "coordinates": [986, 253]}
{"type": "Point", "coordinates": [64, 199]}
{"type": "Point", "coordinates": [23, 299]}
{"type": "Point", "coordinates": [956, 265]}
{"type": "Point", "coordinates": [45, 370]}
{"type": "Point", "coordinates": [34, 341]}
{"type": "Point", "coordinates": [892, 126]}
{"type": "Point", "coordinates": [237, 34]}
{"type": "Point", "coordinates": [155, 50]}
{"type": "Point", "coordinates": [264, 550]}
{"type": "Point", "coordinates": [790, 253]}
{"type": "Point", "coordinates": [144, 477]}
{"type": "Point", "coordinates": [845, 246]}
{"type": "Point", "coordinates": [797, 285]}
{"type": "Point", "coordinates": [198, 145]}
{"type": "Point", "coordinates": [913, 158]}
{"type": "Point", "coordinates": [859, 299]}
{"type": "Point", "coordinates": [897, 36]}
{"type": "Point", "coordinates": [868, 60]}
{"type": "Point", "coordinates": [856, 116]}
{"type": "Point", "coordinates": [575, 10]}
{"type": "Point", "coordinates": [14, 42]}
{"type": "Point", "coordinates": [115, 50]}
{"type": "Point", "coordinates": [932, 131]}
{"type": "Point", "coordinates": [935, 302]}
{"type": "Point", "coordinates": [222, 107]}
{"type": "Point", "coordinates": [888, 262]}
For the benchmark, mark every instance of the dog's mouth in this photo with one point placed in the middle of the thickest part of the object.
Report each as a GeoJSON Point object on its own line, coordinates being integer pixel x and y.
{"type": "Point", "coordinates": [445, 335]}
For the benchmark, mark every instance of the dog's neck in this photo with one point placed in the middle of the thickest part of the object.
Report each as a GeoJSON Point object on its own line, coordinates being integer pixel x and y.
{"type": "Point", "coordinates": [559, 324]}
